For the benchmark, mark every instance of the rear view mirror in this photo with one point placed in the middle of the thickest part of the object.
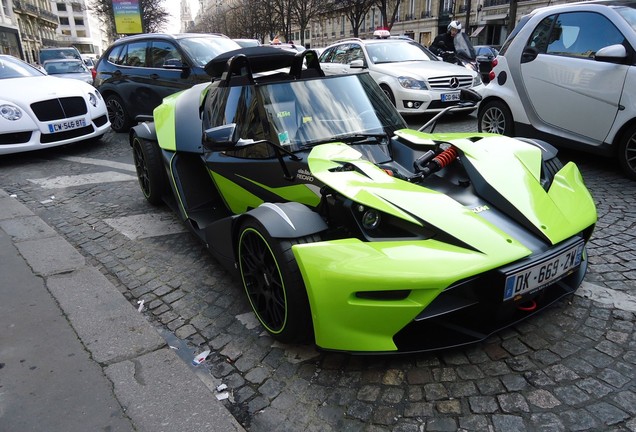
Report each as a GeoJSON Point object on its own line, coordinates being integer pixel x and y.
{"type": "Point", "coordinates": [221, 137]}
{"type": "Point", "coordinates": [356, 64]}
{"type": "Point", "coordinates": [611, 54]}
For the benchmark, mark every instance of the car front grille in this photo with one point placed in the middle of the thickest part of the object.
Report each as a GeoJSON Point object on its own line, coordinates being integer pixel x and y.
{"type": "Point", "coordinates": [60, 136]}
{"type": "Point", "coordinates": [57, 109]}
{"type": "Point", "coordinates": [450, 82]}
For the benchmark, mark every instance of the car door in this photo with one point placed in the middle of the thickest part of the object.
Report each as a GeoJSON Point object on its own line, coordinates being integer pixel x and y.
{"type": "Point", "coordinates": [169, 73]}
{"type": "Point", "coordinates": [333, 61]}
{"type": "Point", "coordinates": [563, 83]}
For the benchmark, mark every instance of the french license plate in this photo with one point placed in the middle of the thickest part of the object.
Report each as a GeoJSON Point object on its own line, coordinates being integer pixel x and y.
{"type": "Point", "coordinates": [450, 97]}
{"type": "Point", "coordinates": [546, 272]}
{"type": "Point", "coordinates": [67, 125]}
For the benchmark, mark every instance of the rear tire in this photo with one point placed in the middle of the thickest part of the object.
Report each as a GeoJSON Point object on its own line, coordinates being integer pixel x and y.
{"type": "Point", "coordinates": [273, 283]}
{"type": "Point", "coordinates": [627, 152]}
{"type": "Point", "coordinates": [150, 172]}
{"type": "Point", "coordinates": [495, 117]}
{"type": "Point", "coordinates": [120, 120]}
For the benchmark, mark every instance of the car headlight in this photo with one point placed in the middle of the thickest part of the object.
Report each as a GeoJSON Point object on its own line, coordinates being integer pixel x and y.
{"type": "Point", "coordinates": [92, 99]}
{"type": "Point", "coordinates": [10, 112]}
{"type": "Point", "coordinates": [477, 80]}
{"type": "Point", "coordinates": [375, 224]}
{"type": "Point", "coordinates": [412, 83]}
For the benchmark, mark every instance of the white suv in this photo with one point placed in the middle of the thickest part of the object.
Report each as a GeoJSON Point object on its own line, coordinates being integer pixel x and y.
{"type": "Point", "coordinates": [412, 77]}
{"type": "Point", "coordinates": [567, 73]}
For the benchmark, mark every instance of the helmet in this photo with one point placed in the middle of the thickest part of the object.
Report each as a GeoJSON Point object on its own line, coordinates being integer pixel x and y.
{"type": "Point", "coordinates": [455, 25]}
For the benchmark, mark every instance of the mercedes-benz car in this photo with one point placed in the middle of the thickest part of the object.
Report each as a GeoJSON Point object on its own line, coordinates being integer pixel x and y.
{"type": "Point", "coordinates": [414, 79]}
{"type": "Point", "coordinates": [350, 230]}
{"type": "Point", "coordinates": [567, 74]}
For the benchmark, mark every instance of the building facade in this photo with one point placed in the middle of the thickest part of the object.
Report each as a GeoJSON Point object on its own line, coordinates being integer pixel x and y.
{"type": "Point", "coordinates": [9, 32]}
{"type": "Point", "coordinates": [36, 25]}
{"type": "Point", "coordinates": [77, 28]}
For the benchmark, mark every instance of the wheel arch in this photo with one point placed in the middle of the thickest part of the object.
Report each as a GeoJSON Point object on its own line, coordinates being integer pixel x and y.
{"type": "Point", "coordinates": [284, 220]}
{"type": "Point", "coordinates": [145, 130]}
{"type": "Point", "coordinates": [620, 134]}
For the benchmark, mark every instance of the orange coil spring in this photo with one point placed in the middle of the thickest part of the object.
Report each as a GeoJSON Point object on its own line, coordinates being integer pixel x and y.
{"type": "Point", "coordinates": [446, 157]}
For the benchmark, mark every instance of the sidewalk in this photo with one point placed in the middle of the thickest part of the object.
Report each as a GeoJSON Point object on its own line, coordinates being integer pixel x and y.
{"type": "Point", "coordinates": [75, 355]}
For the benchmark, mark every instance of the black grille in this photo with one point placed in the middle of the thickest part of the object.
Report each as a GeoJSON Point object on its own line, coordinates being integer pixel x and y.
{"type": "Point", "coordinates": [100, 121]}
{"type": "Point", "coordinates": [57, 109]}
{"type": "Point", "coordinates": [60, 136]}
{"type": "Point", "coordinates": [15, 138]}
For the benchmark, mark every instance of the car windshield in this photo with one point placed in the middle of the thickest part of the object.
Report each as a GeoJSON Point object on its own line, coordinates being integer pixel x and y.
{"type": "Point", "coordinates": [56, 53]}
{"type": "Point", "coordinates": [629, 14]}
{"type": "Point", "coordinates": [400, 51]}
{"type": "Point", "coordinates": [13, 68]}
{"type": "Point", "coordinates": [204, 49]}
{"type": "Point", "coordinates": [65, 67]}
{"type": "Point", "coordinates": [337, 108]}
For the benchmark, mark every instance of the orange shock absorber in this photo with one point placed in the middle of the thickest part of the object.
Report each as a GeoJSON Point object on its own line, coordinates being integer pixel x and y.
{"type": "Point", "coordinates": [440, 161]}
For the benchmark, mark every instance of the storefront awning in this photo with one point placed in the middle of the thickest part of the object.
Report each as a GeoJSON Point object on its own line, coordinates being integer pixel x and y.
{"type": "Point", "coordinates": [477, 31]}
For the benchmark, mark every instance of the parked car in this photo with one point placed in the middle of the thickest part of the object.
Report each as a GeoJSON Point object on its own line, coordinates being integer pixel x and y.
{"type": "Point", "coordinates": [489, 51]}
{"type": "Point", "coordinates": [349, 229]}
{"type": "Point", "coordinates": [485, 55]}
{"type": "Point", "coordinates": [136, 72]}
{"type": "Point", "coordinates": [39, 111]}
{"type": "Point", "coordinates": [51, 53]}
{"type": "Point", "coordinates": [412, 77]}
{"type": "Point", "coordinates": [68, 68]}
{"type": "Point", "coordinates": [567, 74]}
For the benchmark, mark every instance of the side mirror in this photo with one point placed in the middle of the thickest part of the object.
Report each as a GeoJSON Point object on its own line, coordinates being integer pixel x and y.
{"type": "Point", "coordinates": [469, 95]}
{"type": "Point", "coordinates": [221, 137]}
{"type": "Point", "coordinates": [528, 54]}
{"type": "Point", "coordinates": [611, 54]}
{"type": "Point", "coordinates": [357, 64]}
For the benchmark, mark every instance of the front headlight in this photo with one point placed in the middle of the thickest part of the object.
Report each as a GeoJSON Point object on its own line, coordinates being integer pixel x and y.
{"type": "Point", "coordinates": [477, 80]}
{"type": "Point", "coordinates": [10, 112]}
{"type": "Point", "coordinates": [412, 83]}
{"type": "Point", "coordinates": [92, 99]}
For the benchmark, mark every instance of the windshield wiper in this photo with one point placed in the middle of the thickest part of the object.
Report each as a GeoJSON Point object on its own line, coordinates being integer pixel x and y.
{"type": "Point", "coordinates": [349, 138]}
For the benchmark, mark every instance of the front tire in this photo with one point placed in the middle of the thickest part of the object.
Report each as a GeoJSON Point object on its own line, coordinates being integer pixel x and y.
{"type": "Point", "coordinates": [120, 120]}
{"type": "Point", "coordinates": [150, 172]}
{"type": "Point", "coordinates": [495, 117]}
{"type": "Point", "coordinates": [627, 152]}
{"type": "Point", "coordinates": [273, 283]}
{"type": "Point", "coordinates": [389, 94]}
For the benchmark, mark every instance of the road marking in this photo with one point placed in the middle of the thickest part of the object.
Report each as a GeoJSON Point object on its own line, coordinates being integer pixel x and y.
{"type": "Point", "coordinates": [101, 162]}
{"type": "Point", "coordinates": [82, 179]}
{"type": "Point", "coordinates": [618, 299]}
{"type": "Point", "coordinates": [146, 225]}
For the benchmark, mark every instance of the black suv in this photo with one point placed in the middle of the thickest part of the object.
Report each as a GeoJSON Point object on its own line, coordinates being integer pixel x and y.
{"type": "Point", "coordinates": [137, 72]}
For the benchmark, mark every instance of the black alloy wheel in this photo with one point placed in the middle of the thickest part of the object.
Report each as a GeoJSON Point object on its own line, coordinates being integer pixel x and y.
{"type": "Point", "coordinates": [120, 121]}
{"type": "Point", "coordinates": [150, 173]}
{"type": "Point", "coordinates": [273, 283]}
{"type": "Point", "coordinates": [627, 152]}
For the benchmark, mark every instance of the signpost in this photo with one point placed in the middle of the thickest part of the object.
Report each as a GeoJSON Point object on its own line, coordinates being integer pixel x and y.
{"type": "Point", "coordinates": [127, 16]}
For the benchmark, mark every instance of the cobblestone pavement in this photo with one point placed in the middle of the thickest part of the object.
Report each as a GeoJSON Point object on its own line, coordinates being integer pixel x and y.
{"type": "Point", "coordinates": [570, 368]}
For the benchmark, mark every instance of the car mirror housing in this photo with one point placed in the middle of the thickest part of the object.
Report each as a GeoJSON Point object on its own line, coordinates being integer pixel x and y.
{"type": "Point", "coordinates": [221, 137]}
{"type": "Point", "coordinates": [611, 54]}
{"type": "Point", "coordinates": [357, 64]}
{"type": "Point", "coordinates": [174, 64]}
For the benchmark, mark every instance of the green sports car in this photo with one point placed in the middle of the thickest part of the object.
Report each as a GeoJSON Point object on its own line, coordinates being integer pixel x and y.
{"type": "Point", "coordinates": [350, 230]}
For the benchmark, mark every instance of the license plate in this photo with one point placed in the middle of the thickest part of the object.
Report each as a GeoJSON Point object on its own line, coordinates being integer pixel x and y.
{"type": "Point", "coordinates": [450, 97]}
{"type": "Point", "coordinates": [67, 125]}
{"type": "Point", "coordinates": [543, 274]}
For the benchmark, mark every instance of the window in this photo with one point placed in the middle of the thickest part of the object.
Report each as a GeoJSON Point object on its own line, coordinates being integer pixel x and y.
{"type": "Point", "coordinates": [136, 55]}
{"type": "Point", "coordinates": [66, 32]}
{"type": "Point", "coordinates": [77, 7]}
{"type": "Point", "coordinates": [79, 21]}
{"type": "Point", "coordinates": [575, 34]}
{"type": "Point", "coordinates": [160, 52]}
{"type": "Point", "coordinates": [113, 56]}
{"type": "Point", "coordinates": [64, 21]}
{"type": "Point", "coordinates": [61, 7]}
{"type": "Point", "coordinates": [81, 33]}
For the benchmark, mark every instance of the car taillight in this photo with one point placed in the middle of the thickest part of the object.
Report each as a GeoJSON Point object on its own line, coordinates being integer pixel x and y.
{"type": "Point", "coordinates": [494, 62]}
{"type": "Point", "coordinates": [93, 72]}
{"type": "Point", "coordinates": [491, 75]}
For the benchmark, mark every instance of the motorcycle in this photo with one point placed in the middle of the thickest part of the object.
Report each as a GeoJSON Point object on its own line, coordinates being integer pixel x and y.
{"type": "Point", "coordinates": [464, 54]}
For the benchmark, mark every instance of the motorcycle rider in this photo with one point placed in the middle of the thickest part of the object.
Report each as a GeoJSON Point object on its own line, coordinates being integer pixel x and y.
{"type": "Point", "coordinates": [443, 45]}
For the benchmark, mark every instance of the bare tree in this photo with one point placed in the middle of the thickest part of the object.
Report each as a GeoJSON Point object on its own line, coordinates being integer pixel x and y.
{"type": "Point", "coordinates": [355, 11]}
{"type": "Point", "coordinates": [303, 11]}
{"type": "Point", "coordinates": [154, 15]}
{"type": "Point", "coordinates": [385, 6]}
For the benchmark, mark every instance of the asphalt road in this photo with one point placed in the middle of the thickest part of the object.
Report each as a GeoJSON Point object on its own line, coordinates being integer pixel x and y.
{"type": "Point", "coordinates": [570, 368]}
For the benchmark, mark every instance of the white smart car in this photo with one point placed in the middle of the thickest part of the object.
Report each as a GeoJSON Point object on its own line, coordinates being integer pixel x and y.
{"type": "Point", "coordinates": [412, 77]}
{"type": "Point", "coordinates": [39, 111]}
{"type": "Point", "coordinates": [567, 74]}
